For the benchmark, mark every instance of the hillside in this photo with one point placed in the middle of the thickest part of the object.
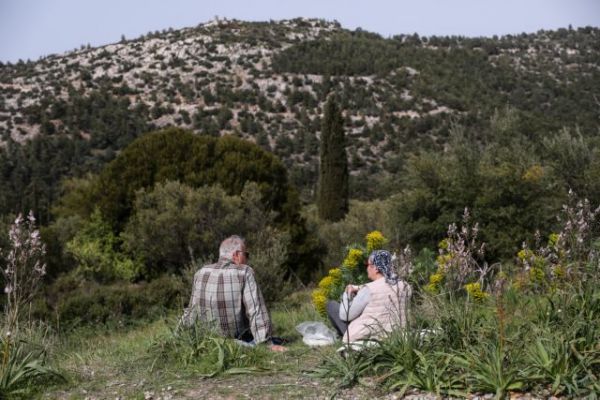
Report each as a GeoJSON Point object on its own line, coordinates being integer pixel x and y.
{"type": "Point", "coordinates": [268, 81]}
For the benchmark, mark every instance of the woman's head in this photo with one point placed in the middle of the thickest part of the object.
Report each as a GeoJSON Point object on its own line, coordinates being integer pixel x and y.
{"type": "Point", "coordinates": [382, 261]}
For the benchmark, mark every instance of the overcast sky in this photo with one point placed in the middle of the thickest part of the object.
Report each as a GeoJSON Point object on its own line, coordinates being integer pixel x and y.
{"type": "Point", "coordinates": [33, 28]}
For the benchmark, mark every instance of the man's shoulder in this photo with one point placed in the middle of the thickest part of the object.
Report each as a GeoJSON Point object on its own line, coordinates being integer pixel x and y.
{"type": "Point", "coordinates": [246, 270]}
{"type": "Point", "coordinates": [205, 268]}
{"type": "Point", "coordinates": [209, 268]}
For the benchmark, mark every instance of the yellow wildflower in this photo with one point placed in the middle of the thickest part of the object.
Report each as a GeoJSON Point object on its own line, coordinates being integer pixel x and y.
{"type": "Point", "coordinates": [524, 254]}
{"type": "Point", "coordinates": [443, 244]}
{"type": "Point", "coordinates": [353, 258]}
{"type": "Point", "coordinates": [521, 282]}
{"type": "Point", "coordinates": [375, 241]}
{"type": "Point", "coordinates": [326, 283]}
{"type": "Point", "coordinates": [559, 271]}
{"type": "Point", "coordinates": [436, 279]}
{"type": "Point", "coordinates": [431, 289]}
{"type": "Point", "coordinates": [553, 239]}
{"type": "Point", "coordinates": [533, 173]}
{"type": "Point", "coordinates": [335, 274]}
{"type": "Point", "coordinates": [443, 260]}
{"type": "Point", "coordinates": [319, 299]}
{"type": "Point", "coordinates": [475, 292]}
{"type": "Point", "coordinates": [536, 274]}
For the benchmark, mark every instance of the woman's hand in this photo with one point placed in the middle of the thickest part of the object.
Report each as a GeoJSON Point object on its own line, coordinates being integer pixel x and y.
{"type": "Point", "coordinates": [352, 289]}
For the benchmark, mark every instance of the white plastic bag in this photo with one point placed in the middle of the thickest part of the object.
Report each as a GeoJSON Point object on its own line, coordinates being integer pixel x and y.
{"type": "Point", "coordinates": [316, 333]}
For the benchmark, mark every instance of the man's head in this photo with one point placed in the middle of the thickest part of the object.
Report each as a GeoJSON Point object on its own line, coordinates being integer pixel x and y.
{"type": "Point", "coordinates": [234, 248]}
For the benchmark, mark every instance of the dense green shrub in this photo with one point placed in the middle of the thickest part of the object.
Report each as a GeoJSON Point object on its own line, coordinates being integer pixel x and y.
{"type": "Point", "coordinates": [173, 224]}
{"type": "Point", "coordinates": [85, 302]}
{"type": "Point", "coordinates": [508, 190]}
{"type": "Point", "coordinates": [96, 251]}
{"type": "Point", "coordinates": [176, 154]}
{"type": "Point", "coordinates": [270, 251]}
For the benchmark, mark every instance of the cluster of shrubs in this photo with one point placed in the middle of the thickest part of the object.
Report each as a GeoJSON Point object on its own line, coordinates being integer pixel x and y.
{"type": "Point", "coordinates": [74, 302]}
{"type": "Point", "coordinates": [122, 242]}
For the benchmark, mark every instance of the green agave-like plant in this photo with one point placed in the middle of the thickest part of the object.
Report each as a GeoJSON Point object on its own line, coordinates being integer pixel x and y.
{"type": "Point", "coordinates": [490, 368]}
{"type": "Point", "coordinates": [348, 367]}
{"type": "Point", "coordinates": [434, 372]}
{"type": "Point", "coordinates": [410, 359]}
{"type": "Point", "coordinates": [20, 367]}
{"type": "Point", "coordinates": [551, 361]}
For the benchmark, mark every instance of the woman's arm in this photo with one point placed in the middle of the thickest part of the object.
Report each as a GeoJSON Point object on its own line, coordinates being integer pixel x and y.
{"type": "Point", "coordinates": [350, 309]}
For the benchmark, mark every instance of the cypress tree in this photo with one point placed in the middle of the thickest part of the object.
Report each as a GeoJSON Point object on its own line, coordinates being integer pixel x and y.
{"type": "Point", "coordinates": [332, 196]}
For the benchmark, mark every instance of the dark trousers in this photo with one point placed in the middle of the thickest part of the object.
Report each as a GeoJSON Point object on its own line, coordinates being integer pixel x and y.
{"type": "Point", "coordinates": [333, 312]}
{"type": "Point", "coordinates": [245, 336]}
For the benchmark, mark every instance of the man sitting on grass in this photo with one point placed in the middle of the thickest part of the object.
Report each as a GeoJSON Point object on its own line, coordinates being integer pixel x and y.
{"type": "Point", "coordinates": [226, 294]}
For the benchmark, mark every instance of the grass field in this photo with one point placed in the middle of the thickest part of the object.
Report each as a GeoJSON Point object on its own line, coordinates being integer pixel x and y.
{"type": "Point", "coordinates": [132, 364]}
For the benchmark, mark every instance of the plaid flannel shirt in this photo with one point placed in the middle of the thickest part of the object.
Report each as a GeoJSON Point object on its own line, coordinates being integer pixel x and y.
{"type": "Point", "coordinates": [227, 295]}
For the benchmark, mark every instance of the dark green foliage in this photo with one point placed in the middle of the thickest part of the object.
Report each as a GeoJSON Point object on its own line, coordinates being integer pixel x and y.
{"type": "Point", "coordinates": [357, 53]}
{"type": "Point", "coordinates": [509, 190]}
{"type": "Point", "coordinates": [457, 72]}
{"type": "Point", "coordinates": [30, 173]}
{"type": "Point", "coordinates": [332, 198]}
{"type": "Point", "coordinates": [174, 224]}
{"type": "Point", "coordinates": [176, 154]}
{"type": "Point", "coordinates": [198, 161]}
{"type": "Point", "coordinates": [83, 302]}
{"type": "Point", "coordinates": [575, 160]}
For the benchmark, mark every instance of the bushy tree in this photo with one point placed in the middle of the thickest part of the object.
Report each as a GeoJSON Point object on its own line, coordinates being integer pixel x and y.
{"type": "Point", "coordinates": [574, 160]}
{"type": "Point", "coordinates": [506, 186]}
{"type": "Point", "coordinates": [177, 154]}
{"type": "Point", "coordinates": [174, 226]}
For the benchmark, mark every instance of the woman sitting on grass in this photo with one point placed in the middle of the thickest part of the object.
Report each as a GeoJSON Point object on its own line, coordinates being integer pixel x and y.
{"type": "Point", "coordinates": [374, 309]}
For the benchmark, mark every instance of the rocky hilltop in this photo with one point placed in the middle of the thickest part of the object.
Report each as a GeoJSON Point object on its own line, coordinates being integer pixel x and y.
{"type": "Point", "coordinates": [267, 82]}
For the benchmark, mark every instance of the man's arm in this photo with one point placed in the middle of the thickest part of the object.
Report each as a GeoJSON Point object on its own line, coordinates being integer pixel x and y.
{"type": "Point", "coordinates": [256, 309]}
{"type": "Point", "coordinates": [191, 312]}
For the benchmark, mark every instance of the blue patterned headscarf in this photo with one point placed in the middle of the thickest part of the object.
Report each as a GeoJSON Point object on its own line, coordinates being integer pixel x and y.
{"type": "Point", "coordinates": [382, 259]}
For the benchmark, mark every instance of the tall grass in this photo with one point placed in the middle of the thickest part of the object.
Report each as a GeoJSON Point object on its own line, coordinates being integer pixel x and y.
{"type": "Point", "coordinates": [542, 344]}
{"type": "Point", "coordinates": [206, 352]}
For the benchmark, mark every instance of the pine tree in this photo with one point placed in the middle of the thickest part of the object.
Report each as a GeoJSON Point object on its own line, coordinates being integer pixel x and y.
{"type": "Point", "coordinates": [332, 197]}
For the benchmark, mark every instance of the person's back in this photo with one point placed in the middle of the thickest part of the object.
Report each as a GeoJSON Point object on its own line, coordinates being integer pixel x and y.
{"type": "Point", "coordinates": [386, 309]}
{"type": "Point", "coordinates": [226, 294]}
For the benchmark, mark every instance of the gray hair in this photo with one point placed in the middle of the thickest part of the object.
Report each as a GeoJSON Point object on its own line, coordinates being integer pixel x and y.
{"type": "Point", "coordinates": [230, 245]}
